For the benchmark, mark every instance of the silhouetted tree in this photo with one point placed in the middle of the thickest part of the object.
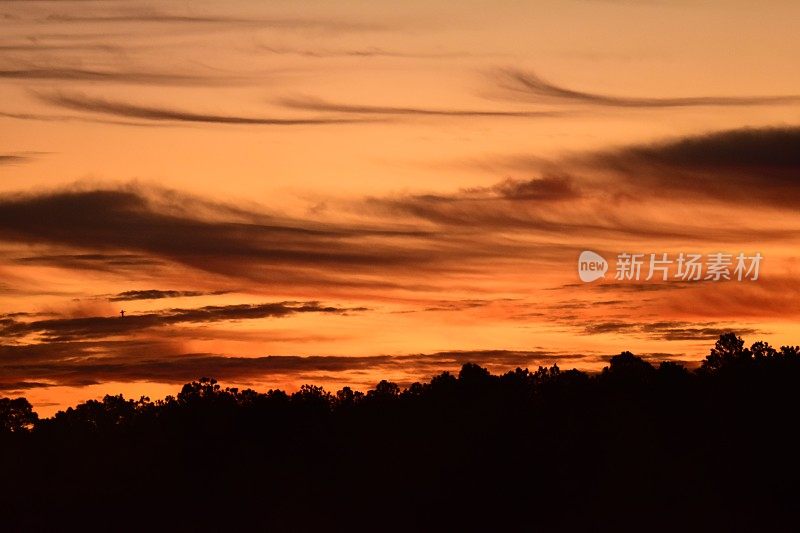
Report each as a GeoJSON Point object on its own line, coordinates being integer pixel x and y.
{"type": "Point", "coordinates": [472, 374]}
{"type": "Point", "coordinates": [312, 399]}
{"type": "Point", "coordinates": [204, 389]}
{"type": "Point", "coordinates": [16, 415]}
{"type": "Point", "coordinates": [633, 446]}
{"type": "Point", "coordinates": [384, 391]}
{"type": "Point", "coordinates": [347, 397]}
{"type": "Point", "coordinates": [628, 368]}
{"type": "Point", "coordinates": [728, 351]}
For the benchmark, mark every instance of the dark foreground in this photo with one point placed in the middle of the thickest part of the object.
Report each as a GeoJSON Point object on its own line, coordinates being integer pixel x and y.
{"type": "Point", "coordinates": [636, 448]}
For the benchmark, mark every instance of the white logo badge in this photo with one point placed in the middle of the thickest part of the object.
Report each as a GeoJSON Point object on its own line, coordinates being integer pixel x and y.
{"type": "Point", "coordinates": [591, 266]}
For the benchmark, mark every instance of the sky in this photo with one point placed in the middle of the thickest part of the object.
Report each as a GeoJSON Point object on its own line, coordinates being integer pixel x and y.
{"type": "Point", "coordinates": [279, 193]}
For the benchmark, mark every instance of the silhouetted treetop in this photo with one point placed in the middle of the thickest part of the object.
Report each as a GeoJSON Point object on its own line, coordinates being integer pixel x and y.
{"type": "Point", "coordinates": [16, 415]}
{"type": "Point", "coordinates": [633, 447]}
{"type": "Point", "coordinates": [730, 354]}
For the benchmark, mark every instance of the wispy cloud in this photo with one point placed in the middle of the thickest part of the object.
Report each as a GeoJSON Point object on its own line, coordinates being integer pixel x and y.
{"type": "Point", "coordinates": [529, 86]}
{"type": "Point", "coordinates": [598, 196]}
{"type": "Point", "coordinates": [152, 16]}
{"type": "Point", "coordinates": [86, 328]}
{"type": "Point", "coordinates": [365, 52]}
{"type": "Point", "coordinates": [14, 386]}
{"type": "Point", "coordinates": [155, 294]}
{"type": "Point", "coordinates": [49, 364]}
{"type": "Point", "coordinates": [318, 105]}
{"type": "Point", "coordinates": [14, 159]}
{"type": "Point", "coordinates": [218, 238]}
{"type": "Point", "coordinates": [95, 261]}
{"type": "Point", "coordinates": [742, 166]}
{"type": "Point", "coordinates": [666, 330]}
{"type": "Point", "coordinates": [79, 102]}
{"type": "Point", "coordinates": [73, 118]}
{"type": "Point", "coordinates": [36, 45]}
{"type": "Point", "coordinates": [559, 207]}
{"type": "Point", "coordinates": [60, 73]}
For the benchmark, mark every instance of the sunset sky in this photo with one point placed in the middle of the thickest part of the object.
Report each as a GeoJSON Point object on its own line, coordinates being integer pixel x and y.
{"type": "Point", "coordinates": [279, 193]}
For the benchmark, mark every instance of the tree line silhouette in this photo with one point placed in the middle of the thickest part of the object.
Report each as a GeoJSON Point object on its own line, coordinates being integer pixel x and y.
{"type": "Point", "coordinates": [634, 447]}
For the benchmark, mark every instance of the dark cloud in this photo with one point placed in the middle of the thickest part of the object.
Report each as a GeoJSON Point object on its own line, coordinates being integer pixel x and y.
{"type": "Point", "coordinates": [75, 118]}
{"type": "Point", "coordinates": [648, 286]}
{"type": "Point", "coordinates": [83, 328]}
{"type": "Point", "coordinates": [668, 330]}
{"type": "Point", "coordinates": [745, 166]}
{"type": "Point", "coordinates": [679, 331]}
{"type": "Point", "coordinates": [130, 223]}
{"type": "Point", "coordinates": [5, 316]}
{"type": "Point", "coordinates": [83, 363]}
{"type": "Point", "coordinates": [510, 204]}
{"type": "Point", "coordinates": [598, 328]}
{"type": "Point", "coordinates": [742, 151]}
{"type": "Point", "coordinates": [36, 45]}
{"type": "Point", "coordinates": [461, 305]}
{"type": "Point", "coordinates": [547, 188]}
{"type": "Point", "coordinates": [100, 262]}
{"type": "Point", "coordinates": [559, 206]}
{"type": "Point", "coordinates": [14, 159]}
{"type": "Point", "coordinates": [15, 357]}
{"type": "Point", "coordinates": [12, 386]}
{"type": "Point", "coordinates": [359, 52]}
{"type": "Point", "coordinates": [322, 106]}
{"type": "Point", "coordinates": [78, 102]}
{"type": "Point", "coordinates": [532, 87]}
{"type": "Point", "coordinates": [58, 73]}
{"type": "Point", "coordinates": [418, 234]}
{"type": "Point", "coordinates": [155, 294]}
{"type": "Point", "coordinates": [142, 16]}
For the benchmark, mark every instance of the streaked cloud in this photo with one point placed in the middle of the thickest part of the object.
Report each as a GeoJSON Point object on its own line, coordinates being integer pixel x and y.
{"type": "Point", "coordinates": [93, 261]}
{"type": "Point", "coordinates": [14, 159]}
{"type": "Point", "coordinates": [318, 105]}
{"type": "Point", "coordinates": [411, 234]}
{"type": "Point", "coordinates": [153, 16]}
{"type": "Point", "coordinates": [49, 364]}
{"type": "Point", "coordinates": [85, 103]}
{"type": "Point", "coordinates": [529, 86]}
{"type": "Point", "coordinates": [155, 294]}
{"type": "Point", "coordinates": [130, 223]}
{"type": "Point", "coordinates": [85, 328]}
{"type": "Point", "coordinates": [365, 52]}
{"type": "Point", "coordinates": [669, 331]}
{"type": "Point", "coordinates": [34, 45]}
{"type": "Point", "coordinates": [67, 74]}
{"type": "Point", "coordinates": [741, 166]}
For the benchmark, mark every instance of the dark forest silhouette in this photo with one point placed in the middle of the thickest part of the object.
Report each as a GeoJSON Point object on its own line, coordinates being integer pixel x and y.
{"type": "Point", "coordinates": [634, 447]}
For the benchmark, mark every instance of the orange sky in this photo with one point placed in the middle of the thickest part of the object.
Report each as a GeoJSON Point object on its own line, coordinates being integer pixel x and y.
{"type": "Point", "coordinates": [374, 189]}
